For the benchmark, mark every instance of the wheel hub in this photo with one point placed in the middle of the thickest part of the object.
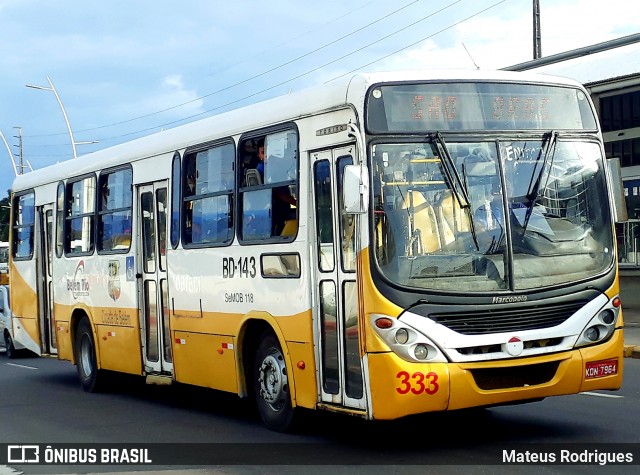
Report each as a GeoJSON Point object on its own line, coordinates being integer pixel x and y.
{"type": "Point", "coordinates": [273, 380]}
{"type": "Point", "coordinates": [85, 357]}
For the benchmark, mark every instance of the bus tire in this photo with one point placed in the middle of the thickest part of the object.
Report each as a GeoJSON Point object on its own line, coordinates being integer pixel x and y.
{"type": "Point", "coordinates": [90, 376]}
{"type": "Point", "coordinates": [9, 346]}
{"type": "Point", "coordinates": [271, 385]}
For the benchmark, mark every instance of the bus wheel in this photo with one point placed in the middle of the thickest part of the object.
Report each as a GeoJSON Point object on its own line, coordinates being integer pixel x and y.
{"type": "Point", "coordinates": [9, 347]}
{"type": "Point", "coordinates": [90, 376]}
{"type": "Point", "coordinates": [271, 385]}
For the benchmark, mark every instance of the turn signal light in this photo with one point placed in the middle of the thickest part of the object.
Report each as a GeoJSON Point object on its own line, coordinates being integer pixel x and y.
{"type": "Point", "coordinates": [384, 323]}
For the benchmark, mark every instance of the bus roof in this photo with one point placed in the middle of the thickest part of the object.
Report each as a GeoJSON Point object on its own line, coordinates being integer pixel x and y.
{"type": "Point", "coordinates": [336, 94]}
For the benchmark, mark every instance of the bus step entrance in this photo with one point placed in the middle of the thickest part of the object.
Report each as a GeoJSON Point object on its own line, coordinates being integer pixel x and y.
{"type": "Point", "coordinates": [159, 379]}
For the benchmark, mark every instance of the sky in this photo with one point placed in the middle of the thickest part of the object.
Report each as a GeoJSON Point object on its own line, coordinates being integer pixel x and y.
{"type": "Point", "coordinates": [124, 69]}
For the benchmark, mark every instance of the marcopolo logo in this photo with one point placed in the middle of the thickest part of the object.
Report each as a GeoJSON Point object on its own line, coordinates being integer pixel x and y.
{"type": "Point", "coordinates": [510, 299]}
{"type": "Point", "coordinates": [79, 284]}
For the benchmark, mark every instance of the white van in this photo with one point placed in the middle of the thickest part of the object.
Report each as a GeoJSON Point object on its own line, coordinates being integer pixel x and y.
{"type": "Point", "coordinates": [6, 326]}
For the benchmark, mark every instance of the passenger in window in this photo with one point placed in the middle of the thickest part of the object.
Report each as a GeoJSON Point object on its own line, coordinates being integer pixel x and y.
{"type": "Point", "coordinates": [283, 204]}
{"type": "Point", "coordinates": [191, 185]}
{"type": "Point", "coordinates": [105, 196]}
{"type": "Point", "coordinates": [190, 190]}
{"type": "Point", "coordinates": [261, 159]}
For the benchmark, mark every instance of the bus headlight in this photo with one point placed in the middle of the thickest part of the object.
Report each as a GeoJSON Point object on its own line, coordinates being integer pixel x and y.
{"type": "Point", "coordinates": [402, 336]}
{"type": "Point", "coordinates": [607, 316]}
{"type": "Point", "coordinates": [601, 326]}
{"type": "Point", "coordinates": [592, 333]}
{"type": "Point", "coordinates": [421, 351]}
{"type": "Point", "coordinates": [405, 341]}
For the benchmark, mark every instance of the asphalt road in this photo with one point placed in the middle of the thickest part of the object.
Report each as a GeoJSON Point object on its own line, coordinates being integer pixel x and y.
{"type": "Point", "coordinates": [42, 403]}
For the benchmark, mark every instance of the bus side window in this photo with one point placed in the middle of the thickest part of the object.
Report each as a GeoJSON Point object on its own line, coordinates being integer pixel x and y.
{"type": "Point", "coordinates": [269, 179]}
{"type": "Point", "coordinates": [347, 223]}
{"type": "Point", "coordinates": [281, 168]}
{"type": "Point", "coordinates": [114, 212]}
{"type": "Point", "coordinates": [80, 216]}
{"type": "Point", "coordinates": [23, 225]}
{"type": "Point", "coordinates": [208, 195]}
{"type": "Point", "coordinates": [256, 215]}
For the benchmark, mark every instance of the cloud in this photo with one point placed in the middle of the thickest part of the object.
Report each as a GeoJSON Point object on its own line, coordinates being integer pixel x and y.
{"type": "Point", "coordinates": [173, 91]}
{"type": "Point", "coordinates": [504, 36]}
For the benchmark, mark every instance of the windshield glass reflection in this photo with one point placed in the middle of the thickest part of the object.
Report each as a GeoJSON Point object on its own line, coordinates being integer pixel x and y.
{"type": "Point", "coordinates": [429, 236]}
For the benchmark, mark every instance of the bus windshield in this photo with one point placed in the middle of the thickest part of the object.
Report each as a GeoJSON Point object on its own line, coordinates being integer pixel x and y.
{"type": "Point", "coordinates": [538, 200]}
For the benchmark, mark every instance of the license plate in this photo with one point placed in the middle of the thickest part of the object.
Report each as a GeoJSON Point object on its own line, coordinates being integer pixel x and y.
{"type": "Point", "coordinates": [600, 369]}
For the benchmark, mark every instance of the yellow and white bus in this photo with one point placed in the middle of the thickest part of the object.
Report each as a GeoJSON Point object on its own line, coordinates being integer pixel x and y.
{"type": "Point", "coordinates": [364, 265]}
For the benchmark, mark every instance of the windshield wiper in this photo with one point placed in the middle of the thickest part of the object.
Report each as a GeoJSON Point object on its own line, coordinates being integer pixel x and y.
{"type": "Point", "coordinates": [458, 188]}
{"type": "Point", "coordinates": [415, 304]}
{"type": "Point", "coordinates": [449, 167]}
{"type": "Point", "coordinates": [534, 186]}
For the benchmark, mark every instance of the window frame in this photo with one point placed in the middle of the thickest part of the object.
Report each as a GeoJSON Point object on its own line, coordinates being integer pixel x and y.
{"type": "Point", "coordinates": [186, 199]}
{"type": "Point", "coordinates": [68, 217]}
{"type": "Point", "coordinates": [14, 227]}
{"type": "Point", "coordinates": [317, 193]}
{"type": "Point", "coordinates": [262, 134]}
{"type": "Point", "coordinates": [61, 193]}
{"type": "Point", "coordinates": [100, 213]}
{"type": "Point", "coordinates": [175, 218]}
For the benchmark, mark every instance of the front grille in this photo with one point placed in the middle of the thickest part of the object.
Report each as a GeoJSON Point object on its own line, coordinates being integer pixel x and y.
{"type": "Point", "coordinates": [515, 377]}
{"type": "Point", "coordinates": [491, 349]}
{"type": "Point", "coordinates": [508, 319]}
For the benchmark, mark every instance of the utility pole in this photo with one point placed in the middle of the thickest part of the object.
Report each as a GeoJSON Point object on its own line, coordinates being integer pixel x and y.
{"type": "Point", "coordinates": [537, 34]}
{"type": "Point", "coordinates": [19, 137]}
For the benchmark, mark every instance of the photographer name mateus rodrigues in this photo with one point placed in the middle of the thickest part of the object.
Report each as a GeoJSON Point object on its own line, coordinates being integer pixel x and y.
{"type": "Point", "coordinates": [566, 456]}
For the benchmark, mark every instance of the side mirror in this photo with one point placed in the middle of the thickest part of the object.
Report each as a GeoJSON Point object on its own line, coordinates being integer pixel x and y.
{"type": "Point", "coordinates": [616, 189]}
{"type": "Point", "coordinates": [355, 189]}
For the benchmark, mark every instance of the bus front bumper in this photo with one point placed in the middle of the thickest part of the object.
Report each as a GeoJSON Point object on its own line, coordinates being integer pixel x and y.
{"type": "Point", "coordinates": [400, 388]}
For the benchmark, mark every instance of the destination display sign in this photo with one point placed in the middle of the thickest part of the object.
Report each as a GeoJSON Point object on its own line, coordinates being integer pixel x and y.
{"type": "Point", "coordinates": [428, 107]}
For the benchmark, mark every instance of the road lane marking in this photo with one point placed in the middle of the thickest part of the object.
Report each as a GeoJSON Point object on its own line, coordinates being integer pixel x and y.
{"type": "Point", "coordinates": [6, 470]}
{"type": "Point", "coordinates": [613, 396]}
{"type": "Point", "coordinates": [20, 366]}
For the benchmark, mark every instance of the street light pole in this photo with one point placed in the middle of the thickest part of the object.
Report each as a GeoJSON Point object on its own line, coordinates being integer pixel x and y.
{"type": "Point", "coordinates": [13, 162]}
{"type": "Point", "coordinates": [64, 113]}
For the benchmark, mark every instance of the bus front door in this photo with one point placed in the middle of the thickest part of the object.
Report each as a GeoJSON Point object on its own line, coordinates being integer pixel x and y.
{"type": "Point", "coordinates": [152, 278]}
{"type": "Point", "coordinates": [44, 250]}
{"type": "Point", "coordinates": [336, 331]}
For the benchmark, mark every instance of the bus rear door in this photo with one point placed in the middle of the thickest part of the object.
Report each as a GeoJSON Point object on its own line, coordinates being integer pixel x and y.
{"type": "Point", "coordinates": [152, 277]}
{"type": "Point", "coordinates": [44, 250]}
